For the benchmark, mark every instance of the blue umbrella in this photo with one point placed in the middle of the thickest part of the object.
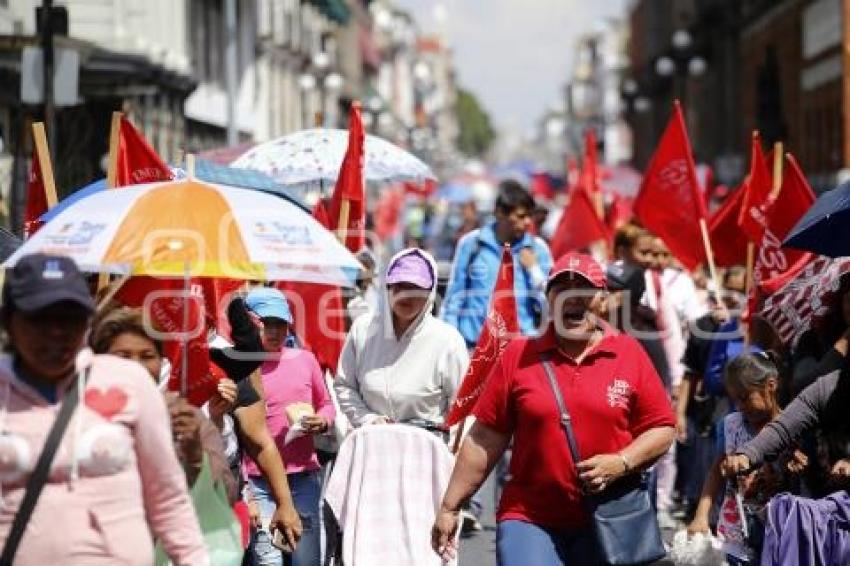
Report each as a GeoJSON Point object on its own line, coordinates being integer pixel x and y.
{"type": "Point", "coordinates": [205, 171]}
{"type": "Point", "coordinates": [825, 228]}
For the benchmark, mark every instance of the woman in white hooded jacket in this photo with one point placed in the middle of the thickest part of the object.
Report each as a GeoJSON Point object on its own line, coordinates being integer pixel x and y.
{"type": "Point", "coordinates": [401, 363]}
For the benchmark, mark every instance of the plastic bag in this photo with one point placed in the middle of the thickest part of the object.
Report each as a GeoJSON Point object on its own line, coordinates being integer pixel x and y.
{"type": "Point", "coordinates": [219, 526]}
{"type": "Point", "coordinates": [695, 550]}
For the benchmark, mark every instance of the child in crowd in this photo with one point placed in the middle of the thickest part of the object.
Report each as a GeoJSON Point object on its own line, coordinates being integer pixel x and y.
{"type": "Point", "coordinates": [751, 382]}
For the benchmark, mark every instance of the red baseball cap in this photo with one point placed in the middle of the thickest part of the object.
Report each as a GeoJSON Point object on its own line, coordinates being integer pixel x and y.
{"type": "Point", "coordinates": [580, 264]}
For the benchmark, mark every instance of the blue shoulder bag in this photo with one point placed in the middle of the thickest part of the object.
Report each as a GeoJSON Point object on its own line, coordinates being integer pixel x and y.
{"type": "Point", "coordinates": [623, 518]}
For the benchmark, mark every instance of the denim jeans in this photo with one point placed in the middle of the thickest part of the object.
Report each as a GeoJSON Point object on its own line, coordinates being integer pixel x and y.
{"type": "Point", "coordinates": [306, 490]}
{"type": "Point", "coordinates": [523, 544]}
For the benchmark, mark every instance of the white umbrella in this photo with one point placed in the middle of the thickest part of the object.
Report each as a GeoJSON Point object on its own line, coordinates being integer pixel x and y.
{"type": "Point", "coordinates": [317, 154]}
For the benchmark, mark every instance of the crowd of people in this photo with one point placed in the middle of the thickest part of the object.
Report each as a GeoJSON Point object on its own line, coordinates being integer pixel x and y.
{"type": "Point", "coordinates": [628, 375]}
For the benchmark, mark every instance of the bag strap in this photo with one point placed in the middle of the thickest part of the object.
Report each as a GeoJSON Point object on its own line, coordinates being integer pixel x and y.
{"type": "Point", "coordinates": [38, 477]}
{"type": "Point", "coordinates": [566, 421]}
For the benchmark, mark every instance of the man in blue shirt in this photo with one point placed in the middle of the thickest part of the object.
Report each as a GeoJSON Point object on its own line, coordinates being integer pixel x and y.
{"type": "Point", "coordinates": [476, 265]}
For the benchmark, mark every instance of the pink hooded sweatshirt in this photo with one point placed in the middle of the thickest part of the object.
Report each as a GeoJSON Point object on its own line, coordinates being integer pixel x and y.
{"type": "Point", "coordinates": [115, 483]}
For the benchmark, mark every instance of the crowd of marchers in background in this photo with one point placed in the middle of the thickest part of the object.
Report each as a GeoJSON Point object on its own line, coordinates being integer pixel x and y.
{"type": "Point", "coordinates": [659, 371]}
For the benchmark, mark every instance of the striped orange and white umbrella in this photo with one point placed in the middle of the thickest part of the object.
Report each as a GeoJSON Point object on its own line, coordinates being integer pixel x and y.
{"type": "Point", "coordinates": [192, 228]}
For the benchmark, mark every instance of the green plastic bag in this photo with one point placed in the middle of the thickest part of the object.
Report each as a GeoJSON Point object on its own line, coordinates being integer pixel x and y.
{"type": "Point", "coordinates": [220, 527]}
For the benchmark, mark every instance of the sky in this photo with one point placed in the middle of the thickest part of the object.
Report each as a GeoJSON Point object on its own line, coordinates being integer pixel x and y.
{"type": "Point", "coordinates": [515, 55]}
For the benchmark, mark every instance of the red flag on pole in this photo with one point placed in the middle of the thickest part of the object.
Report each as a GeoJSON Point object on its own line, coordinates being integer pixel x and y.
{"type": "Point", "coordinates": [773, 262]}
{"type": "Point", "coordinates": [137, 162]}
{"type": "Point", "coordinates": [499, 328]}
{"type": "Point", "coordinates": [165, 311]}
{"type": "Point", "coordinates": [729, 242]}
{"type": "Point", "coordinates": [669, 202]}
{"type": "Point", "coordinates": [757, 187]}
{"type": "Point", "coordinates": [350, 187]}
{"type": "Point", "coordinates": [619, 213]}
{"type": "Point", "coordinates": [36, 199]}
{"type": "Point", "coordinates": [579, 226]}
{"type": "Point", "coordinates": [589, 174]}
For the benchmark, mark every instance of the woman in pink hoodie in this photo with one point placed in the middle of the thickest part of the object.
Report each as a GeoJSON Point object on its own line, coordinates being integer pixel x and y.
{"type": "Point", "coordinates": [115, 483]}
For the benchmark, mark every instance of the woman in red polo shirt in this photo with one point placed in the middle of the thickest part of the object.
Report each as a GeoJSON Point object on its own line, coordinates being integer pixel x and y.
{"type": "Point", "coordinates": [620, 413]}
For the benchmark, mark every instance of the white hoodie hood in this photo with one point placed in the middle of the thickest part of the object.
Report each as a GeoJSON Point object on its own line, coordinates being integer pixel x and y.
{"type": "Point", "coordinates": [415, 376]}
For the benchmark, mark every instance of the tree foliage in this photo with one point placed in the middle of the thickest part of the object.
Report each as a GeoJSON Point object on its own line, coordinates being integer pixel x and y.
{"type": "Point", "coordinates": [476, 132]}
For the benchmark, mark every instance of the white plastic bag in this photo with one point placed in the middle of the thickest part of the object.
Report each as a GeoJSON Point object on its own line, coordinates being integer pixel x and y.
{"type": "Point", "coordinates": [695, 550]}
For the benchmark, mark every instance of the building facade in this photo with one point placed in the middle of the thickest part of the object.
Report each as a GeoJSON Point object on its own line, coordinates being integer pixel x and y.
{"type": "Point", "coordinates": [773, 66]}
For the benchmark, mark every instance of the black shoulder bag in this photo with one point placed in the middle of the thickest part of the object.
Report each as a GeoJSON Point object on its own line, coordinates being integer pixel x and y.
{"type": "Point", "coordinates": [38, 477]}
{"type": "Point", "coordinates": [623, 518]}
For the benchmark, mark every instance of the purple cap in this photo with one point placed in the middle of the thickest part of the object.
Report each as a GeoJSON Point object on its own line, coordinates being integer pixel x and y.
{"type": "Point", "coordinates": [411, 268]}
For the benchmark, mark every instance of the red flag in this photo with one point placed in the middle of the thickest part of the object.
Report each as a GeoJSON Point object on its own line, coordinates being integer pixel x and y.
{"type": "Point", "coordinates": [669, 203]}
{"type": "Point", "coordinates": [589, 174]}
{"type": "Point", "coordinates": [729, 243]}
{"type": "Point", "coordinates": [166, 314]}
{"type": "Point", "coordinates": [217, 292]}
{"type": "Point", "coordinates": [619, 213]}
{"type": "Point", "coordinates": [318, 312]}
{"type": "Point", "coordinates": [349, 185]}
{"type": "Point", "coordinates": [387, 213]}
{"type": "Point", "coordinates": [578, 227]}
{"type": "Point", "coordinates": [773, 262]}
{"type": "Point", "coordinates": [793, 309]}
{"type": "Point", "coordinates": [137, 162]}
{"type": "Point", "coordinates": [573, 175]}
{"type": "Point", "coordinates": [424, 189]}
{"type": "Point", "coordinates": [541, 186]}
{"type": "Point", "coordinates": [757, 187]}
{"type": "Point", "coordinates": [36, 198]}
{"type": "Point", "coordinates": [499, 328]}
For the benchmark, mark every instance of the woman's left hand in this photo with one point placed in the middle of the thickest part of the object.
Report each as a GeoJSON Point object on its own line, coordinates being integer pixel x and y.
{"type": "Point", "coordinates": [600, 471]}
{"type": "Point", "coordinates": [315, 424]}
{"type": "Point", "coordinates": [186, 428]}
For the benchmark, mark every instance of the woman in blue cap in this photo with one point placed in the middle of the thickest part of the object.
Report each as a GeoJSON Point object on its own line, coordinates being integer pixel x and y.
{"type": "Point", "coordinates": [298, 406]}
{"type": "Point", "coordinates": [401, 364]}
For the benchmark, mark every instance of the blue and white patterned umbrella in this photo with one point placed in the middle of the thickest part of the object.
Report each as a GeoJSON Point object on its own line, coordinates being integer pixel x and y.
{"type": "Point", "coordinates": [316, 155]}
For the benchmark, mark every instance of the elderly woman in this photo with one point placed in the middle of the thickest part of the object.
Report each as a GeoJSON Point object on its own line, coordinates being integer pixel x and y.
{"type": "Point", "coordinates": [401, 364]}
{"type": "Point", "coordinates": [620, 414]}
{"type": "Point", "coordinates": [114, 483]}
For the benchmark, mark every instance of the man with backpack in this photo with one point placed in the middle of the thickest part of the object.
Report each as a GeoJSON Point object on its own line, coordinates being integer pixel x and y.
{"type": "Point", "coordinates": [476, 265]}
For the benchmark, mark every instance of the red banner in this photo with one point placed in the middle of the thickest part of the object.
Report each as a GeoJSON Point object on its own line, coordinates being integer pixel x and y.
{"type": "Point", "coordinates": [579, 226]}
{"type": "Point", "coordinates": [757, 187]}
{"type": "Point", "coordinates": [137, 161]}
{"type": "Point", "coordinates": [165, 311]}
{"type": "Point", "coordinates": [793, 309]}
{"type": "Point", "coordinates": [727, 240]}
{"type": "Point", "coordinates": [669, 202]}
{"type": "Point", "coordinates": [499, 328]}
{"type": "Point", "coordinates": [350, 185]}
{"type": "Point", "coordinates": [773, 262]}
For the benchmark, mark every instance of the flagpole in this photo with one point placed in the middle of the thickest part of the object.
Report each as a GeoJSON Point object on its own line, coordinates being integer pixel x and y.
{"type": "Point", "coordinates": [114, 137]}
{"type": "Point", "coordinates": [342, 225]}
{"type": "Point", "coordinates": [709, 253]}
{"type": "Point", "coordinates": [778, 161]}
{"type": "Point", "coordinates": [42, 151]}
